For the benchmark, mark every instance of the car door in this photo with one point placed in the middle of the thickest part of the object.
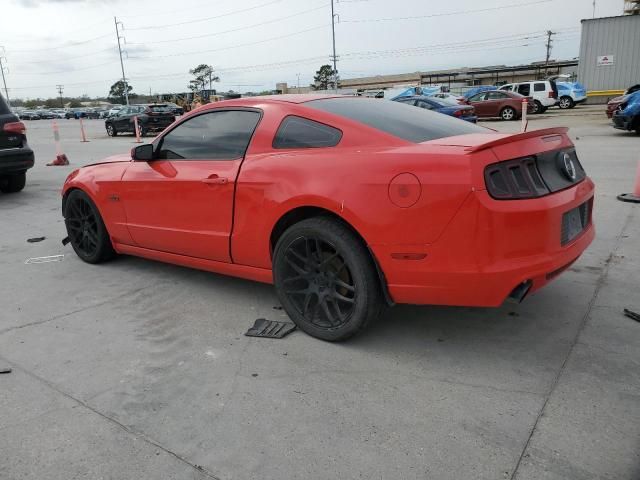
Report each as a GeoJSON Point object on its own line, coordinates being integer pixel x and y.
{"type": "Point", "coordinates": [494, 102]}
{"type": "Point", "coordinates": [182, 202]}
{"type": "Point", "coordinates": [478, 101]}
{"type": "Point", "coordinates": [121, 119]}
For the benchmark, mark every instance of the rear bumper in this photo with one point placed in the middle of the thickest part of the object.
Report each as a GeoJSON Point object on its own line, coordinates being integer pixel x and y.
{"type": "Point", "coordinates": [489, 248]}
{"type": "Point", "coordinates": [13, 160]}
{"type": "Point", "coordinates": [470, 118]}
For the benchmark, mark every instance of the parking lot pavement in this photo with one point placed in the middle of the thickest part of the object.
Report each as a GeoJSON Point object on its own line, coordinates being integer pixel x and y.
{"type": "Point", "coordinates": [136, 369]}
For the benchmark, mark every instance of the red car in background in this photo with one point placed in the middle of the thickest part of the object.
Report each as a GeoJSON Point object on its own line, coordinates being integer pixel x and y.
{"type": "Point", "coordinates": [498, 103]}
{"type": "Point", "coordinates": [614, 103]}
{"type": "Point", "coordinates": [344, 203]}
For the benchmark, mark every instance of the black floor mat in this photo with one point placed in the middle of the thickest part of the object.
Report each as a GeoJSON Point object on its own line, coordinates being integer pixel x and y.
{"type": "Point", "coordinates": [270, 329]}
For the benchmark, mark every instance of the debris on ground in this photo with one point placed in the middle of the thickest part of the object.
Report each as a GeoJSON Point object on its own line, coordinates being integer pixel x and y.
{"type": "Point", "coordinates": [35, 239]}
{"type": "Point", "coordinates": [50, 258]}
{"type": "Point", "coordinates": [5, 369]}
{"type": "Point", "coordinates": [270, 328]}
{"type": "Point", "coordinates": [632, 315]}
{"type": "Point", "coordinates": [65, 240]}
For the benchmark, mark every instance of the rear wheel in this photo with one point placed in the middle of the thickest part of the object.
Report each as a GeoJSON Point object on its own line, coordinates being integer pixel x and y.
{"type": "Point", "coordinates": [326, 279]}
{"type": "Point", "coordinates": [87, 232]}
{"type": "Point", "coordinates": [13, 183]}
{"type": "Point", "coordinates": [111, 130]}
{"type": "Point", "coordinates": [537, 107]}
{"type": "Point", "coordinates": [566, 102]}
{"type": "Point", "coordinates": [508, 113]}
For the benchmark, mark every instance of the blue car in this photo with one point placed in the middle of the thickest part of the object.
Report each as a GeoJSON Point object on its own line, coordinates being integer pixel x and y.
{"type": "Point", "coordinates": [627, 117]}
{"type": "Point", "coordinates": [570, 94]}
{"type": "Point", "coordinates": [416, 91]}
{"type": "Point", "coordinates": [463, 112]}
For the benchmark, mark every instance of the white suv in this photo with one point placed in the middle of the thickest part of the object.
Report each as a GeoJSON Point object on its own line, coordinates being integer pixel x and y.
{"type": "Point", "coordinates": [543, 92]}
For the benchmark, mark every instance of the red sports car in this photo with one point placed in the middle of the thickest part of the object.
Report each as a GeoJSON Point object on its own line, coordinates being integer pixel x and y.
{"type": "Point", "coordinates": [344, 203]}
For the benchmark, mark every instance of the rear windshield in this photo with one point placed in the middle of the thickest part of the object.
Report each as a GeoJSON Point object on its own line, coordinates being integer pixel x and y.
{"type": "Point", "coordinates": [403, 121]}
{"type": "Point", "coordinates": [159, 108]}
{"type": "Point", "coordinates": [4, 108]}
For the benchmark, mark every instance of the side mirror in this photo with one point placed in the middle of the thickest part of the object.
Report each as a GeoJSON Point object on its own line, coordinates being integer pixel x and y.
{"type": "Point", "coordinates": [142, 153]}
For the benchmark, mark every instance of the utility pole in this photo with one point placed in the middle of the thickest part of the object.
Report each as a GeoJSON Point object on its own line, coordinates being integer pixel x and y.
{"type": "Point", "coordinates": [298, 75]}
{"type": "Point", "coordinates": [4, 80]}
{"type": "Point", "coordinates": [549, 35]}
{"type": "Point", "coordinates": [594, 9]}
{"type": "Point", "coordinates": [124, 79]}
{"type": "Point", "coordinates": [60, 90]}
{"type": "Point", "coordinates": [335, 59]}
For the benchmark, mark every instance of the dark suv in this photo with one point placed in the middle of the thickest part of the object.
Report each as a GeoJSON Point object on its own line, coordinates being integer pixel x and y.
{"type": "Point", "coordinates": [15, 155]}
{"type": "Point", "coordinates": [151, 118]}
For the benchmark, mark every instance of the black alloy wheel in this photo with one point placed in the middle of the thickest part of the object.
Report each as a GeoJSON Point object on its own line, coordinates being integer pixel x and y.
{"type": "Point", "coordinates": [86, 230]}
{"type": "Point", "coordinates": [325, 279]}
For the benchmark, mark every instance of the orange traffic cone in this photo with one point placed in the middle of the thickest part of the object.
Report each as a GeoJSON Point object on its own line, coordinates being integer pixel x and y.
{"type": "Point", "coordinates": [61, 158]}
{"type": "Point", "coordinates": [635, 196]}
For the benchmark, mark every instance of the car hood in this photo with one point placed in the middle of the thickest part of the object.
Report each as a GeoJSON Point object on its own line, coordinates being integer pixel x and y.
{"type": "Point", "coordinates": [121, 157]}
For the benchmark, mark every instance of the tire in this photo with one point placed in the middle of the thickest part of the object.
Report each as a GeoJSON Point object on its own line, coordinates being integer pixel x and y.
{"type": "Point", "coordinates": [537, 107]}
{"type": "Point", "coordinates": [326, 280]}
{"type": "Point", "coordinates": [13, 183]}
{"type": "Point", "coordinates": [111, 129]}
{"type": "Point", "coordinates": [508, 113]}
{"type": "Point", "coordinates": [87, 232]}
{"type": "Point", "coordinates": [566, 102]}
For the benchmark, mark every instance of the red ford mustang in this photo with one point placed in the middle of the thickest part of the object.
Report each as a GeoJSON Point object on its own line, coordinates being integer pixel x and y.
{"type": "Point", "coordinates": [344, 203]}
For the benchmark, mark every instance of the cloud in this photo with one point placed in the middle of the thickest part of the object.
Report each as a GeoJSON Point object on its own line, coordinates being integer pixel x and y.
{"type": "Point", "coordinates": [37, 3]}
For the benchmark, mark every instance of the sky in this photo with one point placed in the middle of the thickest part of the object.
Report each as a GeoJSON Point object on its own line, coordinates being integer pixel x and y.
{"type": "Point", "coordinates": [253, 44]}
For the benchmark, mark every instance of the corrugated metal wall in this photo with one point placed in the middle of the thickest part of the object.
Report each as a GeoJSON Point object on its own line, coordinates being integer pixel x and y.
{"type": "Point", "coordinates": [617, 36]}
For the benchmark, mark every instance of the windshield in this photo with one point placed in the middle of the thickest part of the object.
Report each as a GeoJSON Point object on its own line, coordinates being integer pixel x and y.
{"type": "Point", "coordinates": [411, 124]}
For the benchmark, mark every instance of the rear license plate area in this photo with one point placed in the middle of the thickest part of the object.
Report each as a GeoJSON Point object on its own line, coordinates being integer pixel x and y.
{"type": "Point", "coordinates": [574, 222]}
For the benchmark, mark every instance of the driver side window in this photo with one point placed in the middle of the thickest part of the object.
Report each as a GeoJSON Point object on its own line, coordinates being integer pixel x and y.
{"type": "Point", "coordinates": [221, 135]}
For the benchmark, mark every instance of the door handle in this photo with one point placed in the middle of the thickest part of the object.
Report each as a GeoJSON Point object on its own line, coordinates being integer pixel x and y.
{"type": "Point", "coordinates": [215, 180]}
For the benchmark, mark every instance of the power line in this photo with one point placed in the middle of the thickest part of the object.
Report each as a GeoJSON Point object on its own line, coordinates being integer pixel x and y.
{"type": "Point", "coordinates": [66, 45]}
{"type": "Point", "coordinates": [247, 27]}
{"type": "Point", "coordinates": [208, 18]}
{"type": "Point", "coordinates": [182, 54]}
{"type": "Point", "coordinates": [68, 70]}
{"type": "Point", "coordinates": [460, 12]}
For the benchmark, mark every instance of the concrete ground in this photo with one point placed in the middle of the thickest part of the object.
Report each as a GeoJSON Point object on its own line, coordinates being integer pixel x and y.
{"type": "Point", "coordinates": [140, 370]}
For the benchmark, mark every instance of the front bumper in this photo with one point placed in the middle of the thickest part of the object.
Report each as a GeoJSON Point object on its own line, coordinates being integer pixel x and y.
{"type": "Point", "coordinates": [623, 122]}
{"type": "Point", "coordinates": [489, 248]}
{"type": "Point", "coordinates": [14, 160]}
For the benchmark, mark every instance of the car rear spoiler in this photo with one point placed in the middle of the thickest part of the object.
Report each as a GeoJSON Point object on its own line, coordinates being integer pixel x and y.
{"type": "Point", "coordinates": [544, 133]}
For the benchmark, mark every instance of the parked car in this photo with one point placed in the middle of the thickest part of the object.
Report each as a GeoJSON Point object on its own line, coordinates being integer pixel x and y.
{"type": "Point", "coordinates": [479, 89]}
{"type": "Point", "coordinates": [59, 113]}
{"type": "Point", "coordinates": [15, 155]}
{"type": "Point", "coordinates": [614, 103]}
{"type": "Point", "coordinates": [543, 92]}
{"type": "Point", "coordinates": [114, 109]}
{"type": "Point", "coordinates": [92, 113]}
{"type": "Point", "coordinates": [75, 113]}
{"type": "Point", "coordinates": [627, 116]}
{"type": "Point", "coordinates": [447, 98]}
{"type": "Point", "coordinates": [497, 103]}
{"type": "Point", "coordinates": [463, 112]}
{"type": "Point", "coordinates": [29, 115]}
{"type": "Point", "coordinates": [177, 109]}
{"type": "Point", "coordinates": [151, 118]}
{"type": "Point", "coordinates": [46, 114]}
{"type": "Point", "coordinates": [570, 94]}
{"type": "Point", "coordinates": [435, 210]}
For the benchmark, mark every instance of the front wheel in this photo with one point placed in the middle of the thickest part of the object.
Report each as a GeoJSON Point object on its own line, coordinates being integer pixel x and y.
{"type": "Point", "coordinates": [326, 279]}
{"type": "Point", "coordinates": [508, 113]}
{"type": "Point", "coordinates": [13, 183]}
{"type": "Point", "coordinates": [87, 232]}
{"type": "Point", "coordinates": [111, 130]}
{"type": "Point", "coordinates": [566, 102]}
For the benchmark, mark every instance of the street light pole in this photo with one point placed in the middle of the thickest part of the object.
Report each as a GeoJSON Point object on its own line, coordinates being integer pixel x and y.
{"type": "Point", "coordinates": [4, 81]}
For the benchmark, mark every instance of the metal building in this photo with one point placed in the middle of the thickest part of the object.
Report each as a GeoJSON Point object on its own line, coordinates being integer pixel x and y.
{"type": "Point", "coordinates": [610, 53]}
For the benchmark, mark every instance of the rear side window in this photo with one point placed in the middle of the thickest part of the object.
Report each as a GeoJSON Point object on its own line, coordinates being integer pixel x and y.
{"type": "Point", "coordinates": [4, 108]}
{"type": "Point", "coordinates": [298, 132]}
{"type": "Point", "coordinates": [524, 89]}
{"type": "Point", "coordinates": [539, 87]}
{"type": "Point", "coordinates": [223, 135]}
{"type": "Point", "coordinates": [410, 124]}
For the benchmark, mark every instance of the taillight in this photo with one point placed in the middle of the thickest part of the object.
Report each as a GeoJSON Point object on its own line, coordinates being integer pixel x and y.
{"type": "Point", "coordinates": [15, 128]}
{"type": "Point", "coordinates": [553, 94]}
{"type": "Point", "coordinates": [458, 113]}
{"type": "Point", "coordinates": [515, 179]}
